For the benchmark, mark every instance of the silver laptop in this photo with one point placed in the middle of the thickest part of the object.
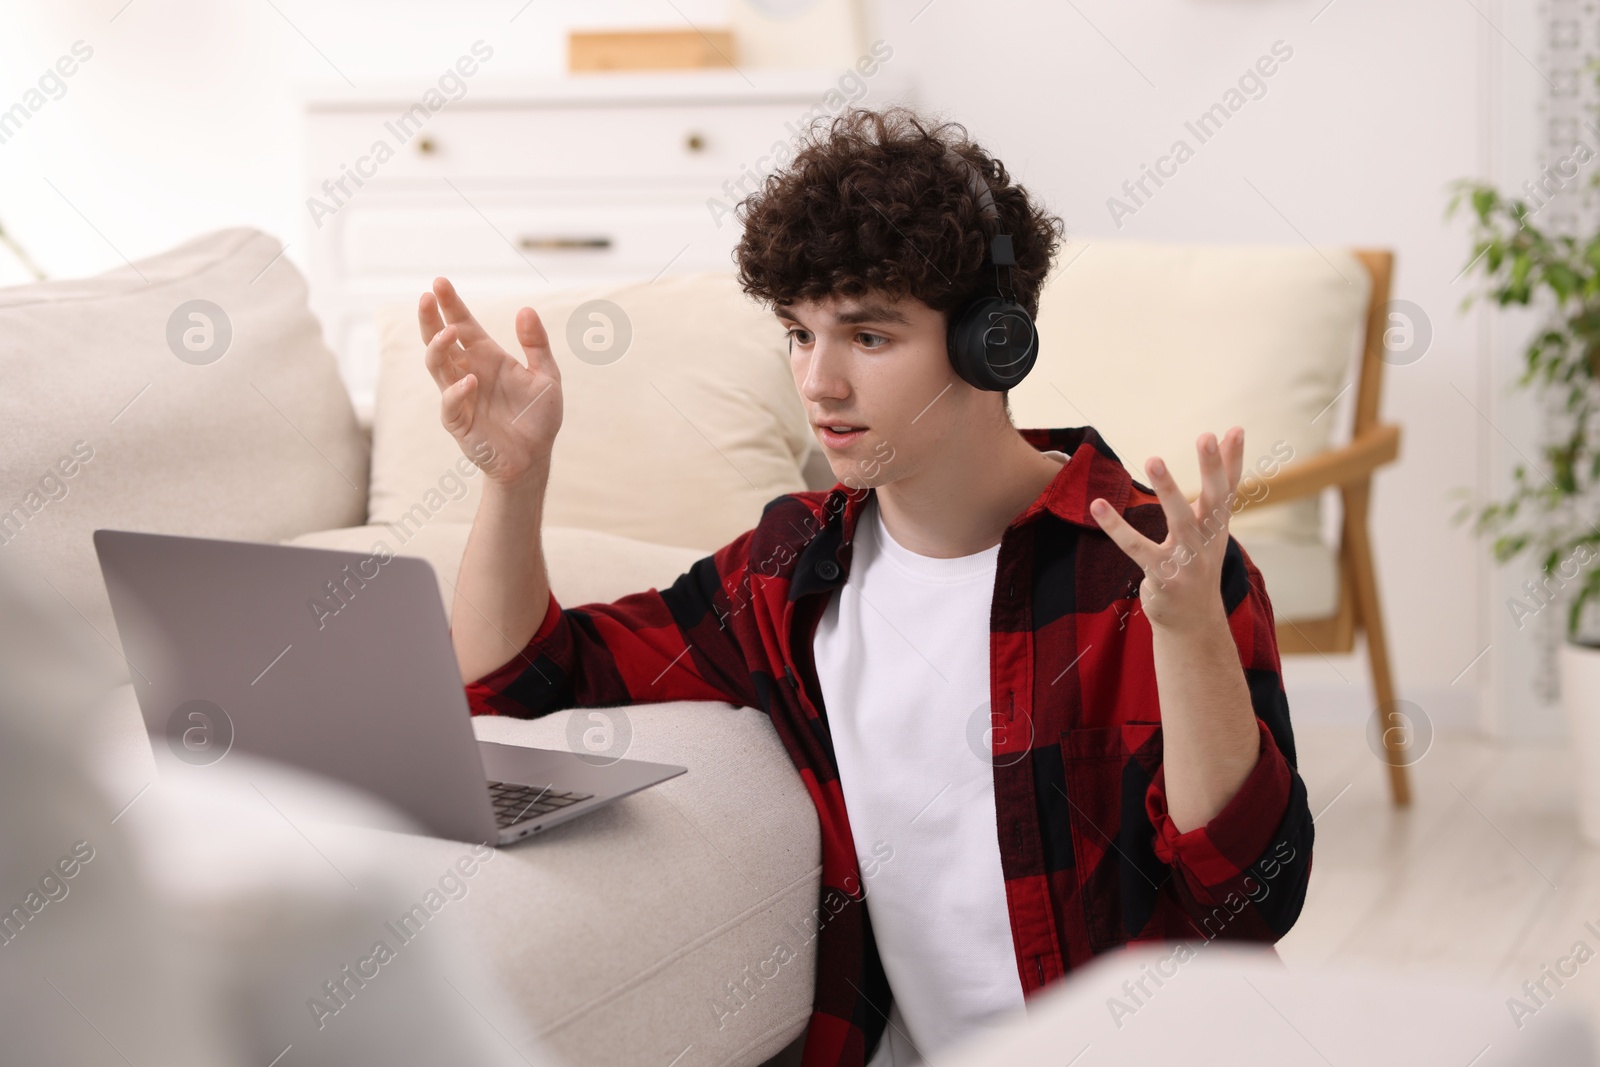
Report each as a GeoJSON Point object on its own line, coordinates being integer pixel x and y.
{"type": "Point", "coordinates": [341, 665]}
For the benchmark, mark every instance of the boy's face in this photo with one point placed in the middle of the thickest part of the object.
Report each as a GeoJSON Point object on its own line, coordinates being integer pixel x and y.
{"type": "Point", "coordinates": [879, 366]}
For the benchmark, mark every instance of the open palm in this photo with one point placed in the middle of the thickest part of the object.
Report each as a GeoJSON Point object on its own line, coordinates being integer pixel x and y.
{"type": "Point", "coordinates": [505, 415]}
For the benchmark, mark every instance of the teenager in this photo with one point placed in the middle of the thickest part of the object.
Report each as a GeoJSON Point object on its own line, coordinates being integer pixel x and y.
{"type": "Point", "coordinates": [1035, 702]}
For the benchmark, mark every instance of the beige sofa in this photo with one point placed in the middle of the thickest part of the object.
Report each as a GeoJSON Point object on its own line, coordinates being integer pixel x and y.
{"type": "Point", "coordinates": [627, 936]}
{"type": "Point", "coordinates": [635, 935]}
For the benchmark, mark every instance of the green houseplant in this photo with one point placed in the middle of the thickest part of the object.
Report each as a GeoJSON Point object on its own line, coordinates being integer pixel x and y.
{"type": "Point", "coordinates": [1551, 511]}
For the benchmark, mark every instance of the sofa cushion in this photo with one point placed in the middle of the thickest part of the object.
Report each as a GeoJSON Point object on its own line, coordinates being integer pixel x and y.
{"type": "Point", "coordinates": [585, 566]}
{"type": "Point", "coordinates": [681, 440]}
{"type": "Point", "coordinates": [116, 414]}
{"type": "Point", "coordinates": [1154, 344]}
{"type": "Point", "coordinates": [695, 905]}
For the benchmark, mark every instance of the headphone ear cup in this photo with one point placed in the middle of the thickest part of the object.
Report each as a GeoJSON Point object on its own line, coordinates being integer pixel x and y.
{"type": "Point", "coordinates": [993, 343]}
{"type": "Point", "coordinates": [962, 350]}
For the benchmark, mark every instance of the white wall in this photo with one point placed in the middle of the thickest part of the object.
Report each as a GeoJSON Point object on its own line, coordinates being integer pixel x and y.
{"type": "Point", "coordinates": [182, 122]}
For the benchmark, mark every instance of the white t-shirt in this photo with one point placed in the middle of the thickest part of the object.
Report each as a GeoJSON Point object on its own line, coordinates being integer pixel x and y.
{"type": "Point", "coordinates": [902, 656]}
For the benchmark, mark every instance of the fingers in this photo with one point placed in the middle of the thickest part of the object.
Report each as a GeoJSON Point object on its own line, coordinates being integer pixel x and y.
{"type": "Point", "coordinates": [1213, 477]}
{"type": "Point", "coordinates": [455, 312]}
{"type": "Point", "coordinates": [1233, 456]}
{"type": "Point", "coordinates": [535, 342]}
{"type": "Point", "coordinates": [429, 321]}
{"type": "Point", "coordinates": [1221, 463]}
{"type": "Point", "coordinates": [442, 358]}
{"type": "Point", "coordinates": [1135, 545]}
{"type": "Point", "coordinates": [1180, 516]}
{"type": "Point", "coordinates": [455, 405]}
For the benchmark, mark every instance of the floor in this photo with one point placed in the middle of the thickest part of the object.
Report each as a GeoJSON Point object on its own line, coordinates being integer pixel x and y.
{"type": "Point", "coordinates": [1483, 880]}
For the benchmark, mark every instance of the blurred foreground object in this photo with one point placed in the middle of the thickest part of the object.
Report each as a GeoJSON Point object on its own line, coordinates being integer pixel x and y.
{"type": "Point", "coordinates": [1227, 1003]}
{"type": "Point", "coordinates": [205, 918]}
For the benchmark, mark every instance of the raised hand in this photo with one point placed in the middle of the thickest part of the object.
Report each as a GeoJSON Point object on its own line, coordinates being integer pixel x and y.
{"type": "Point", "coordinates": [505, 415]}
{"type": "Point", "coordinates": [1182, 587]}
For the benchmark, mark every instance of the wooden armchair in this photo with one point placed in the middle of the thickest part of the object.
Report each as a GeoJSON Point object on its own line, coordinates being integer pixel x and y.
{"type": "Point", "coordinates": [1349, 469]}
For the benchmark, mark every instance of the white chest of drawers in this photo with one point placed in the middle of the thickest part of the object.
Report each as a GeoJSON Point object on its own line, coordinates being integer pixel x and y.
{"type": "Point", "coordinates": [529, 187]}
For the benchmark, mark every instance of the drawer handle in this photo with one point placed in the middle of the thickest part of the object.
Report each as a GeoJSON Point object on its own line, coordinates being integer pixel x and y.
{"type": "Point", "coordinates": [562, 244]}
{"type": "Point", "coordinates": [427, 146]}
{"type": "Point", "coordinates": [695, 142]}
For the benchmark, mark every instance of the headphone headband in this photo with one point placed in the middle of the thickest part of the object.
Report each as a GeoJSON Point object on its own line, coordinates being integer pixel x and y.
{"type": "Point", "coordinates": [980, 188]}
{"type": "Point", "coordinates": [1000, 251]}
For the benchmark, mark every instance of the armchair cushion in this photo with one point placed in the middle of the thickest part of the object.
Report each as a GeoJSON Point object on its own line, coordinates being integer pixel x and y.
{"type": "Point", "coordinates": [1302, 577]}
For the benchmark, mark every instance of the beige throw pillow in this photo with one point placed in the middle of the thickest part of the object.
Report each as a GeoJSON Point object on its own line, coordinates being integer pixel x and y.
{"type": "Point", "coordinates": [127, 404]}
{"type": "Point", "coordinates": [681, 419]}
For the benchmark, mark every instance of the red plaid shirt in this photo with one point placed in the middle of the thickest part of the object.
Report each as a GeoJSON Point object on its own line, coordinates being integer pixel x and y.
{"type": "Point", "coordinates": [1090, 857]}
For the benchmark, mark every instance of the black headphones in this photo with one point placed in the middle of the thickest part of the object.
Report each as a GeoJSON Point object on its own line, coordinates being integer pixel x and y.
{"type": "Point", "coordinates": [992, 339]}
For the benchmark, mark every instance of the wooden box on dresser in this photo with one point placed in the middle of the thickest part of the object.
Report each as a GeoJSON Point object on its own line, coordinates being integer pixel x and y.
{"type": "Point", "coordinates": [527, 187]}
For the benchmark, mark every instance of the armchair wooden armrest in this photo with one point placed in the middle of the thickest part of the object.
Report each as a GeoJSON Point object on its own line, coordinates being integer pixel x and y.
{"type": "Point", "coordinates": [1369, 450]}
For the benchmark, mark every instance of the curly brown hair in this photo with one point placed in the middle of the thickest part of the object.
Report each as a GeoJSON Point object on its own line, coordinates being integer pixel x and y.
{"type": "Point", "coordinates": [870, 202]}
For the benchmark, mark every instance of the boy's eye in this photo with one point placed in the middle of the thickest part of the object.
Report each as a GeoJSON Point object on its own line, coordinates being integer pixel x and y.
{"type": "Point", "coordinates": [866, 340]}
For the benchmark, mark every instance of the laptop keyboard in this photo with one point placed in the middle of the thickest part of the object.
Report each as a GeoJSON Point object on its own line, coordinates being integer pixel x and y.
{"type": "Point", "coordinates": [514, 803]}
